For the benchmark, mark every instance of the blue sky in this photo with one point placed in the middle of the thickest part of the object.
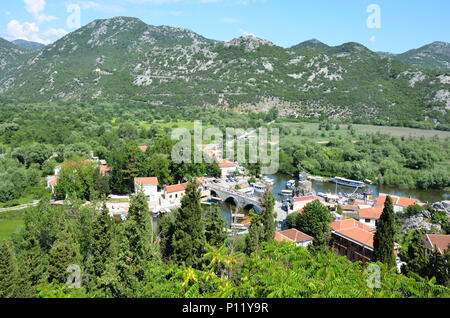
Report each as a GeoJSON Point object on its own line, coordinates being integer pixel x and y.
{"type": "Point", "coordinates": [401, 24]}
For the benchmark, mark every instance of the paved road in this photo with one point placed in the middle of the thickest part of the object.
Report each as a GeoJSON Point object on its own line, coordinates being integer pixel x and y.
{"type": "Point", "coordinates": [20, 207]}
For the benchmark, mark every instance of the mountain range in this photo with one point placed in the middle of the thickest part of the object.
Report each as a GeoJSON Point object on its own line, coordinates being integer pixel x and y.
{"type": "Point", "coordinates": [34, 46]}
{"type": "Point", "coordinates": [124, 59]}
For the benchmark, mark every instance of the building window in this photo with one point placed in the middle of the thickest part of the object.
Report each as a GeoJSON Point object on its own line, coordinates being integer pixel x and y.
{"type": "Point", "coordinates": [367, 220]}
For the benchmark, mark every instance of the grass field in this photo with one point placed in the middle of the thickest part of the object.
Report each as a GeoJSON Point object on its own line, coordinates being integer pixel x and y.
{"type": "Point", "coordinates": [10, 222]}
{"type": "Point", "coordinates": [310, 131]}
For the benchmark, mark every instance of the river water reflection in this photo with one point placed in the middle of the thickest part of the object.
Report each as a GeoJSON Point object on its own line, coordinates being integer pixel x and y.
{"type": "Point", "coordinates": [328, 187]}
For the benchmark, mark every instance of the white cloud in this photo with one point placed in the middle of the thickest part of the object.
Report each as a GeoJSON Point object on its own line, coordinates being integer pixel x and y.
{"type": "Point", "coordinates": [35, 7]}
{"type": "Point", "coordinates": [26, 31]}
{"type": "Point", "coordinates": [31, 32]}
{"type": "Point", "coordinates": [229, 20]}
{"type": "Point", "coordinates": [246, 33]}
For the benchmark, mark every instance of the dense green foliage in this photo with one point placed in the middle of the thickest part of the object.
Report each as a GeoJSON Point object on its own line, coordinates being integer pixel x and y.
{"type": "Point", "coordinates": [405, 162]}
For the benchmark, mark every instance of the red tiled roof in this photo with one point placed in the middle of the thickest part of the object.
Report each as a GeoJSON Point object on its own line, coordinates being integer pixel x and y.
{"type": "Point", "coordinates": [53, 182]}
{"type": "Point", "coordinates": [406, 202]}
{"type": "Point", "coordinates": [292, 235]}
{"type": "Point", "coordinates": [308, 198]}
{"type": "Point", "coordinates": [441, 241]}
{"type": "Point", "coordinates": [358, 235]}
{"type": "Point", "coordinates": [176, 188]}
{"type": "Point", "coordinates": [349, 224]}
{"type": "Point", "coordinates": [143, 148]}
{"type": "Point", "coordinates": [104, 169]}
{"type": "Point", "coordinates": [400, 201]}
{"type": "Point", "coordinates": [149, 180]}
{"type": "Point", "coordinates": [370, 213]}
{"type": "Point", "coordinates": [226, 164]}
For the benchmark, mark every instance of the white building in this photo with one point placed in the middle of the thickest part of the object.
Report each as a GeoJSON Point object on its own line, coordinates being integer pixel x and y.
{"type": "Point", "coordinates": [400, 203]}
{"type": "Point", "coordinates": [370, 216]}
{"type": "Point", "coordinates": [149, 186]}
{"type": "Point", "coordinates": [174, 193]}
{"type": "Point", "coordinates": [227, 168]}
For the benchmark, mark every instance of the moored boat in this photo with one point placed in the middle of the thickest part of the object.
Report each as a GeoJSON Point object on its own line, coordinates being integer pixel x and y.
{"type": "Point", "coordinates": [290, 184]}
{"type": "Point", "coordinates": [259, 187]}
{"type": "Point", "coordinates": [348, 182]}
{"type": "Point", "coordinates": [215, 200]}
{"type": "Point", "coordinates": [286, 192]}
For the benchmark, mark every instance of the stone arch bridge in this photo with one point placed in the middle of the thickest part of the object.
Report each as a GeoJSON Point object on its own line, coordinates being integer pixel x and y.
{"type": "Point", "coordinates": [241, 200]}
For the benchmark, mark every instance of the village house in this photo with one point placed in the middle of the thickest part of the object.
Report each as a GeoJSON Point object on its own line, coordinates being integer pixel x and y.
{"type": "Point", "coordinates": [52, 181]}
{"type": "Point", "coordinates": [294, 235]}
{"type": "Point", "coordinates": [354, 240]}
{"type": "Point", "coordinates": [370, 216]}
{"type": "Point", "coordinates": [104, 170]}
{"type": "Point", "coordinates": [143, 148]}
{"type": "Point", "coordinates": [174, 193]}
{"type": "Point", "coordinates": [400, 203]}
{"type": "Point", "coordinates": [227, 168]}
{"type": "Point", "coordinates": [300, 202]}
{"type": "Point", "coordinates": [440, 241]}
{"type": "Point", "coordinates": [149, 186]}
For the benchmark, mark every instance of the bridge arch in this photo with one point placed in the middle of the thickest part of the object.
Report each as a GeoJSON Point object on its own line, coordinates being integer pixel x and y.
{"type": "Point", "coordinates": [232, 200]}
{"type": "Point", "coordinates": [214, 193]}
{"type": "Point", "coordinates": [250, 206]}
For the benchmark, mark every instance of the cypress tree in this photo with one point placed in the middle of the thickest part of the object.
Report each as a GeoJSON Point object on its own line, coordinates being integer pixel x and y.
{"type": "Point", "coordinates": [64, 252]}
{"type": "Point", "coordinates": [416, 257]}
{"type": "Point", "coordinates": [268, 216]}
{"type": "Point", "coordinates": [215, 228]}
{"type": "Point", "coordinates": [139, 232]}
{"type": "Point", "coordinates": [439, 267]}
{"type": "Point", "coordinates": [383, 241]}
{"type": "Point", "coordinates": [119, 279]}
{"type": "Point", "coordinates": [32, 267]}
{"type": "Point", "coordinates": [255, 234]}
{"type": "Point", "coordinates": [100, 251]}
{"type": "Point", "coordinates": [189, 238]}
{"type": "Point", "coordinates": [9, 278]}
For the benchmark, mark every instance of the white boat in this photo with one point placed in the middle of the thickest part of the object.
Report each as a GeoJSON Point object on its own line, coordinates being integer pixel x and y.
{"type": "Point", "coordinates": [318, 179]}
{"type": "Point", "coordinates": [290, 184]}
{"type": "Point", "coordinates": [268, 180]}
{"type": "Point", "coordinates": [247, 190]}
{"type": "Point", "coordinates": [348, 182]}
{"type": "Point", "coordinates": [259, 187]}
{"type": "Point", "coordinates": [286, 192]}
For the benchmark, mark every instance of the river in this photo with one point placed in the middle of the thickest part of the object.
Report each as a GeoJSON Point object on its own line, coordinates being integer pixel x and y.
{"type": "Point", "coordinates": [328, 187]}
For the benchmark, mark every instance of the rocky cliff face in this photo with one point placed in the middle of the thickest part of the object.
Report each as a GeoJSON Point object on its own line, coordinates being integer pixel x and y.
{"type": "Point", "coordinates": [126, 59]}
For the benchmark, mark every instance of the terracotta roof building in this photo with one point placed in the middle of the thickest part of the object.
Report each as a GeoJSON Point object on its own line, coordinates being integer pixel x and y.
{"type": "Point", "coordinates": [370, 216]}
{"type": "Point", "coordinates": [143, 148]}
{"type": "Point", "coordinates": [146, 181]}
{"type": "Point", "coordinates": [399, 203]}
{"type": "Point", "coordinates": [441, 241]}
{"type": "Point", "coordinates": [293, 235]}
{"type": "Point", "coordinates": [352, 239]}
